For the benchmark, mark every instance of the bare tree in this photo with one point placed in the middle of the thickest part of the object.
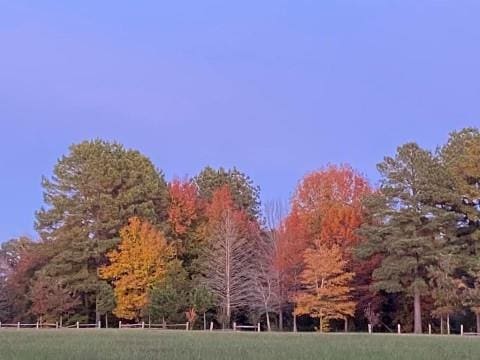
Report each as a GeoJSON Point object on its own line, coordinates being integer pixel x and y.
{"type": "Point", "coordinates": [266, 290]}
{"type": "Point", "coordinates": [270, 285]}
{"type": "Point", "coordinates": [228, 263]}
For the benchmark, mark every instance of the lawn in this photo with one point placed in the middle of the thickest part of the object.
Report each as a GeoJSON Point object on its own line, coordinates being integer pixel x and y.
{"type": "Point", "coordinates": [176, 345]}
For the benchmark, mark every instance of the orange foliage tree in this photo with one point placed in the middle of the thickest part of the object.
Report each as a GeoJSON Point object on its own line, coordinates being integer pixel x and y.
{"type": "Point", "coordinates": [140, 261]}
{"type": "Point", "coordinates": [326, 211]}
{"type": "Point", "coordinates": [329, 204]}
{"type": "Point", "coordinates": [184, 214]}
{"type": "Point", "coordinates": [288, 260]}
{"type": "Point", "coordinates": [326, 291]}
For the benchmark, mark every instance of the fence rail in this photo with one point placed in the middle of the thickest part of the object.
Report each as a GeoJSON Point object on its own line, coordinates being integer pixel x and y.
{"type": "Point", "coordinates": [162, 326]}
{"type": "Point", "coordinates": [246, 327]}
{"type": "Point", "coordinates": [180, 326]}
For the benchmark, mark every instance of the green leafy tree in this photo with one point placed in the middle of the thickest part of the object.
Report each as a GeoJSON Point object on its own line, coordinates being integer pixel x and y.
{"type": "Point", "coordinates": [4, 301]}
{"type": "Point", "coordinates": [201, 300]}
{"type": "Point", "coordinates": [405, 224]}
{"type": "Point", "coordinates": [105, 300]}
{"type": "Point", "coordinates": [169, 298]}
{"type": "Point", "coordinates": [446, 289]}
{"type": "Point", "coordinates": [94, 190]}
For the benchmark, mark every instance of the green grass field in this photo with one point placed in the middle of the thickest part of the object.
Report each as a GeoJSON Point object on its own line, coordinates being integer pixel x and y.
{"type": "Point", "coordinates": [145, 344]}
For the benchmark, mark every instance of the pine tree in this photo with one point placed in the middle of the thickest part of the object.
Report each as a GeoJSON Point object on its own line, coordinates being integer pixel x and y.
{"type": "Point", "coordinates": [406, 225]}
{"type": "Point", "coordinates": [245, 194]}
{"type": "Point", "coordinates": [95, 189]}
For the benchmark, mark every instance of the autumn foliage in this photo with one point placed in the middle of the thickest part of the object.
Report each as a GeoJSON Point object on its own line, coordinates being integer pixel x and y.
{"type": "Point", "coordinates": [120, 243]}
{"type": "Point", "coordinates": [326, 290]}
{"type": "Point", "coordinates": [140, 261]}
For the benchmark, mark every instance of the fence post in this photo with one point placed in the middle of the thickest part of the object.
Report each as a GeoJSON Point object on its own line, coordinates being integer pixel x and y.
{"type": "Point", "coordinates": [234, 326]}
{"type": "Point", "coordinates": [399, 330]}
{"type": "Point", "coordinates": [429, 329]}
{"type": "Point", "coordinates": [143, 324]}
{"type": "Point", "coordinates": [119, 324]}
{"type": "Point", "coordinates": [211, 325]}
{"type": "Point", "coordinates": [18, 325]}
{"type": "Point", "coordinates": [56, 325]}
{"type": "Point", "coordinates": [369, 328]}
{"type": "Point", "coordinates": [187, 325]}
{"type": "Point", "coordinates": [258, 327]}
{"type": "Point", "coordinates": [461, 330]}
{"type": "Point", "coordinates": [99, 324]}
{"type": "Point", "coordinates": [78, 325]}
{"type": "Point", "coordinates": [0, 324]}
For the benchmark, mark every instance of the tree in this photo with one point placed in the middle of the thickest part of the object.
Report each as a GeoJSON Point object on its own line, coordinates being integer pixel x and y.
{"type": "Point", "coordinates": [105, 300]}
{"type": "Point", "coordinates": [446, 289]}
{"type": "Point", "coordinates": [329, 204]}
{"type": "Point", "coordinates": [326, 291]}
{"type": "Point", "coordinates": [245, 195]}
{"type": "Point", "coordinates": [141, 261]}
{"type": "Point", "coordinates": [185, 219]}
{"type": "Point", "coordinates": [289, 261]}
{"type": "Point", "coordinates": [51, 299]}
{"type": "Point", "coordinates": [227, 265]}
{"type": "Point", "coordinates": [11, 252]}
{"type": "Point", "coordinates": [169, 295]}
{"type": "Point", "coordinates": [94, 190]}
{"type": "Point", "coordinates": [4, 301]}
{"type": "Point", "coordinates": [265, 277]}
{"type": "Point", "coordinates": [406, 225]}
{"type": "Point", "coordinates": [472, 298]}
{"type": "Point", "coordinates": [461, 157]}
{"type": "Point", "coordinates": [201, 300]}
{"type": "Point", "coordinates": [326, 209]}
{"type": "Point", "coordinates": [25, 257]}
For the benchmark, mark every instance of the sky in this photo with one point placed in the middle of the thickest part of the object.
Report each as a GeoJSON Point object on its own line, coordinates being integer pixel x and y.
{"type": "Point", "coordinates": [277, 88]}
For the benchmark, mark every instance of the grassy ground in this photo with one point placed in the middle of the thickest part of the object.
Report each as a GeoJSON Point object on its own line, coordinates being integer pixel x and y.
{"type": "Point", "coordinates": [145, 344]}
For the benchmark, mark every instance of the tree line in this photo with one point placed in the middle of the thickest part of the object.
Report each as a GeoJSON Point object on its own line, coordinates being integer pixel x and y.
{"type": "Point", "coordinates": [119, 242]}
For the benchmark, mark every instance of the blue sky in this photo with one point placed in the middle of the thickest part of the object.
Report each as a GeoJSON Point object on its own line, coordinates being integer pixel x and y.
{"type": "Point", "coordinates": [277, 88]}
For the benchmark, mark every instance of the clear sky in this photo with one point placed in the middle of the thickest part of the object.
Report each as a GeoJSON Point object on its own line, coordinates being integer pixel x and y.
{"type": "Point", "coordinates": [277, 88]}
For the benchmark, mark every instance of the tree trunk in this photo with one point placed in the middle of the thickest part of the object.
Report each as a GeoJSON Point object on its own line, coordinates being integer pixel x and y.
{"type": "Point", "coordinates": [478, 321]}
{"type": "Point", "coordinates": [294, 322]}
{"type": "Point", "coordinates": [61, 320]}
{"type": "Point", "coordinates": [269, 328]}
{"type": "Point", "coordinates": [97, 313]}
{"type": "Point", "coordinates": [321, 324]}
{"type": "Point", "coordinates": [346, 324]}
{"type": "Point", "coordinates": [280, 319]}
{"type": "Point", "coordinates": [204, 321]}
{"type": "Point", "coordinates": [106, 320]}
{"type": "Point", "coordinates": [417, 312]}
{"type": "Point", "coordinates": [441, 324]}
{"type": "Point", "coordinates": [448, 324]}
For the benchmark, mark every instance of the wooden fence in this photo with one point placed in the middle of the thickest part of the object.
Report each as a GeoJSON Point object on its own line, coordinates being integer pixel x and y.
{"type": "Point", "coordinates": [181, 326]}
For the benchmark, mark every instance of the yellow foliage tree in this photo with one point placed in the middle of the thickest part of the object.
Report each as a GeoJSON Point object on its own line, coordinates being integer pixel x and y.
{"type": "Point", "coordinates": [325, 292]}
{"type": "Point", "coordinates": [139, 262]}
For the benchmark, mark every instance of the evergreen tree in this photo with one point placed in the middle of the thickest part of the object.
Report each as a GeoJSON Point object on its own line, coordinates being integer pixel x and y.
{"type": "Point", "coordinates": [168, 298]}
{"type": "Point", "coordinates": [406, 225]}
{"type": "Point", "coordinates": [245, 194]}
{"type": "Point", "coordinates": [95, 189]}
